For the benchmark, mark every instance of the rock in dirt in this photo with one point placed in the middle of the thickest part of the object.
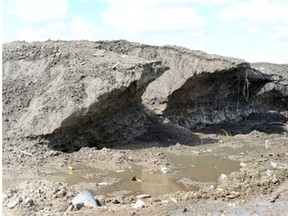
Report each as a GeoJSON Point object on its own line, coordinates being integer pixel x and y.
{"type": "Point", "coordinates": [36, 195]}
{"type": "Point", "coordinates": [139, 204]}
{"type": "Point", "coordinates": [28, 201]}
{"type": "Point", "coordinates": [86, 198]}
{"type": "Point", "coordinates": [13, 202]}
{"type": "Point", "coordinates": [164, 169]}
{"type": "Point", "coordinates": [136, 179]}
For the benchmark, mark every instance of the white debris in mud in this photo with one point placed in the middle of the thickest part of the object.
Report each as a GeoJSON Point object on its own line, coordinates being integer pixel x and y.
{"type": "Point", "coordinates": [278, 166]}
{"type": "Point", "coordinates": [139, 204]}
{"type": "Point", "coordinates": [143, 196]}
{"type": "Point", "coordinates": [164, 169]}
{"type": "Point", "coordinates": [242, 164]}
{"type": "Point", "coordinates": [223, 176]}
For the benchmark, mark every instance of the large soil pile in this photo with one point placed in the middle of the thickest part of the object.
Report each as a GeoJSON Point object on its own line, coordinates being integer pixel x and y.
{"type": "Point", "coordinates": [75, 94]}
{"type": "Point", "coordinates": [117, 102]}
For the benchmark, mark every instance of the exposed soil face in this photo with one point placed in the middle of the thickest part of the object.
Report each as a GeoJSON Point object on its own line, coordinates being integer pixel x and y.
{"type": "Point", "coordinates": [200, 134]}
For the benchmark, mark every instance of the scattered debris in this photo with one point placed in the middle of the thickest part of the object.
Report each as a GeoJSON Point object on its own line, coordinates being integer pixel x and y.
{"type": "Point", "coordinates": [115, 201]}
{"type": "Point", "coordinates": [13, 203]}
{"type": "Point", "coordinates": [76, 207]}
{"type": "Point", "coordinates": [164, 169]}
{"type": "Point", "coordinates": [27, 153]}
{"type": "Point", "coordinates": [233, 195]}
{"type": "Point", "coordinates": [143, 196]}
{"type": "Point", "coordinates": [28, 201]}
{"type": "Point", "coordinates": [274, 198]}
{"type": "Point", "coordinates": [267, 144]}
{"type": "Point", "coordinates": [70, 168]}
{"type": "Point", "coordinates": [278, 166]}
{"type": "Point", "coordinates": [136, 179]}
{"type": "Point", "coordinates": [102, 184]}
{"type": "Point", "coordinates": [114, 67]}
{"type": "Point", "coordinates": [244, 177]}
{"type": "Point", "coordinates": [222, 177]}
{"type": "Point", "coordinates": [174, 200]}
{"type": "Point", "coordinates": [139, 204]}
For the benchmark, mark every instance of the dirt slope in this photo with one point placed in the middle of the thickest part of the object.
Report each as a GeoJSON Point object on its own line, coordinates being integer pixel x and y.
{"type": "Point", "coordinates": [69, 105]}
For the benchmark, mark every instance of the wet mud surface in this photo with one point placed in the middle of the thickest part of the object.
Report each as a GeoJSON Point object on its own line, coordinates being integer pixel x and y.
{"type": "Point", "coordinates": [236, 174]}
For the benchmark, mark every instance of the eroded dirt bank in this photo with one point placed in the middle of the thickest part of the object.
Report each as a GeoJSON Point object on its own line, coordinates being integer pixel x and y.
{"type": "Point", "coordinates": [202, 134]}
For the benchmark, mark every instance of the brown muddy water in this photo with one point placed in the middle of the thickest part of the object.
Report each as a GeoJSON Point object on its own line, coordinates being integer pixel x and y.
{"type": "Point", "coordinates": [108, 178]}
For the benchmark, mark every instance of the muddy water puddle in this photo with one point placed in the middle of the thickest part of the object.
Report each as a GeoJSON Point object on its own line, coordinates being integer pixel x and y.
{"type": "Point", "coordinates": [108, 178]}
{"type": "Point", "coordinates": [226, 150]}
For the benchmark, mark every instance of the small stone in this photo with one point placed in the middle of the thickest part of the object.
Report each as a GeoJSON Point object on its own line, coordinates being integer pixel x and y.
{"type": "Point", "coordinates": [115, 201]}
{"type": "Point", "coordinates": [62, 193]}
{"type": "Point", "coordinates": [274, 165]}
{"type": "Point", "coordinates": [136, 179]}
{"type": "Point", "coordinates": [70, 208]}
{"type": "Point", "coordinates": [242, 164]}
{"type": "Point", "coordinates": [274, 179]}
{"type": "Point", "coordinates": [204, 196]}
{"type": "Point", "coordinates": [231, 196]}
{"type": "Point", "coordinates": [69, 195]}
{"type": "Point", "coordinates": [70, 168]}
{"type": "Point", "coordinates": [274, 198]}
{"type": "Point", "coordinates": [220, 189]}
{"type": "Point", "coordinates": [164, 170]}
{"type": "Point", "coordinates": [222, 178]}
{"type": "Point", "coordinates": [198, 195]}
{"type": "Point", "coordinates": [13, 203]}
{"type": "Point", "coordinates": [139, 204]}
{"type": "Point", "coordinates": [133, 178]}
{"type": "Point", "coordinates": [174, 200]}
{"type": "Point", "coordinates": [269, 173]}
{"type": "Point", "coordinates": [78, 206]}
{"type": "Point", "coordinates": [28, 201]}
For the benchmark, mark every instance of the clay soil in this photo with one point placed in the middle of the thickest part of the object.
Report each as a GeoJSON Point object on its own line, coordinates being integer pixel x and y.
{"type": "Point", "coordinates": [258, 187]}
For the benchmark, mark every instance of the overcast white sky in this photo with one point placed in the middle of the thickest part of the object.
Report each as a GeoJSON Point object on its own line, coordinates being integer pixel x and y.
{"type": "Point", "coordinates": [255, 30]}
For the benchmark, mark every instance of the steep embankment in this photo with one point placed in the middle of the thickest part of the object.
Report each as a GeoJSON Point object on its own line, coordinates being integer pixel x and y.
{"type": "Point", "coordinates": [81, 93]}
{"type": "Point", "coordinates": [73, 94]}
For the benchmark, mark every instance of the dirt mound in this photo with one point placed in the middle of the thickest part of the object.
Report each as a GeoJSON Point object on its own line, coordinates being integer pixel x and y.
{"type": "Point", "coordinates": [81, 93]}
{"type": "Point", "coordinates": [201, 89]}
{"type": "Point", "coordinates": [147, 108]}
{"type": "Point", "coordinates": [73, 94]}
